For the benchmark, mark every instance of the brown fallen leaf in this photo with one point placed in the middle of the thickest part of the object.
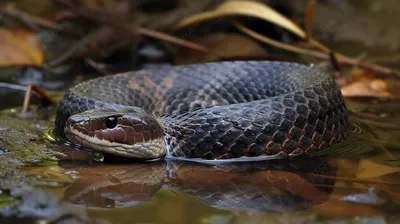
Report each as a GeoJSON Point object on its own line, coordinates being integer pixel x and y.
{"type": "Point", "coordinates": [364, 84]}
{"type": "Point", "coordinates": [376, 87]}
{"type": "Point", "coordinates": [221, 44]}
{"type": "Point", "coordinates": [19, 47]}
{"type": "Point", "coordinates": [369, 169]}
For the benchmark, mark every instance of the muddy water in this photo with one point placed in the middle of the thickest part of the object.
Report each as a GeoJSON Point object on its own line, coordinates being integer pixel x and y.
{"type": "Point", "coordinates": [358, 182]}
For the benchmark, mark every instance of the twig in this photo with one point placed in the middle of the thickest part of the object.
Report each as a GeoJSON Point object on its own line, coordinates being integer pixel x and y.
{"type": "Point", "coordinates": [43, 96]}
{"type": "Point", "coordinates": [93, 64]}
{"type": "Point", "coordinates": [77, 48]}
{"type": "Point", "coordinates": [284, 46]}
{"type": "Point", "coordinates": [309, 18]}
{"type": "Point", "coordinates": [33, 22]}
{"type": "Point", "coordinates": [12, 86]}
{"type": "Point", "coordinates": [10, 11]}
{"type": "Point", "coordinates": [29, 20]}
{"type": "Point", "coordinates": [334, 63]}
{"type": "Point", "coordinates": [172, 39]}
{"type": "Point", "coordinates": [140, 30]}
{"type": "Point", "coordinates": [317, 54]}
{"type": "Point", "coordinates": [390, 155]}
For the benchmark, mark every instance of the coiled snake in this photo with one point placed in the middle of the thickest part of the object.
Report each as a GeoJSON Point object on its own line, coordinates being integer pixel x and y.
{"type": "Point", "coordinates": [245, 110]}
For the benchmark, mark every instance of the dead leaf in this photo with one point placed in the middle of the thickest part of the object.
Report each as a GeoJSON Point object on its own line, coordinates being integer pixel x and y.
{"type": "Point", "coordinates": [244, 8]}
{"type": "Point", "coordinates": [364, 84]}
{"type": "Point", "coordinates": [19, 47]}
{"type": "Point", "coordinates": [374, 88]}
{"type": "Point", "coordinates": [369, 169]}
{"type": "Point", "coordinates": [223, 45]}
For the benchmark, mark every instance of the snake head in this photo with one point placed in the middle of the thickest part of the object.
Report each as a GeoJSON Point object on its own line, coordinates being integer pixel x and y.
{"type": "Point", "coordinates": [129, 133]}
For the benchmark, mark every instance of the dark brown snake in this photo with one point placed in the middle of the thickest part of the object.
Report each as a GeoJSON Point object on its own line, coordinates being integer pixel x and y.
{"type": "Point", "coordinates": [238, 111]}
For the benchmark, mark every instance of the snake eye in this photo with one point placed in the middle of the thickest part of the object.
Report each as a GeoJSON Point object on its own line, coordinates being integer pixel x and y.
{"type": "Point", "coordinates": [111, 122]}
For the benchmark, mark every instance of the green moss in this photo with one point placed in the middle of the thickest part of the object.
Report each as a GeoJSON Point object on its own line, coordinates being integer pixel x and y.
{"type": "Point", "coordinates": [21, 138]}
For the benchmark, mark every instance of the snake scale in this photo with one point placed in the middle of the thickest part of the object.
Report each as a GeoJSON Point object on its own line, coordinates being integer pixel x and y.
{"type": "Point", "coordinates": [242, 110]}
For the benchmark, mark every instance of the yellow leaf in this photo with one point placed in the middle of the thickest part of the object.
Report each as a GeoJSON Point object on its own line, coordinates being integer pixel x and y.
{"type": "Point", "coordinates": [19, 48]}
{"type": "Point", "coordinates": [245, 8]}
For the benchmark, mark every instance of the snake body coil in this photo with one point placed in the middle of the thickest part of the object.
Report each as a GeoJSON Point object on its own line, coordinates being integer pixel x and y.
{"type": "Point", "coordinates": [221, 110]}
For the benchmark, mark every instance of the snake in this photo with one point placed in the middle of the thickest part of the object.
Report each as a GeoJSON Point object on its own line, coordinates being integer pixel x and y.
{"type": "Point", "coordinates": [214, 111]}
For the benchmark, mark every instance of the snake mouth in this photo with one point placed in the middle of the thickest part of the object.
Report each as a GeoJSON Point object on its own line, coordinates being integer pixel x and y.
{"type": "Point", "coordinates": [123, 135]}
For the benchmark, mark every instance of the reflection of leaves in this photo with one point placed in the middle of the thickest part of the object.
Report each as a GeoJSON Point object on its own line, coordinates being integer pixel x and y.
{"type": "Point", "coordinates": [19, 48]}
{"type": "Point", "coordinates": [53, 175]}
{"type": "Point", "coordinates": [245, 8]}
{"type": "Point", "coordinates": [368, 169]}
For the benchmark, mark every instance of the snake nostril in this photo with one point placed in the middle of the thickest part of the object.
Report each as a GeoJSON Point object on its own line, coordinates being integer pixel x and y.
{"type": "Point", "coordinates": [111, 122]}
